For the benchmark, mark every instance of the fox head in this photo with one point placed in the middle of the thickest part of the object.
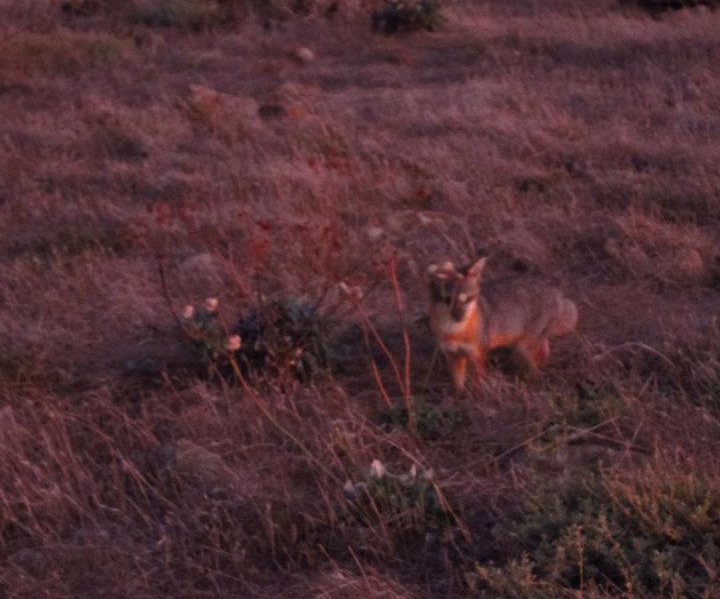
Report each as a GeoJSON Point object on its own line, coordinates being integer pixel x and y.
{"type": "Point", "coordinates": [453, 292]}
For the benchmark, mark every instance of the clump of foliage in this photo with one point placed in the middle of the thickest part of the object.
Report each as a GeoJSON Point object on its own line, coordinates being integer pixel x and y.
{"type": "Point", "coordinates": [192, 15]}
{"type": "Point", "coordinates": [63, 54]}
{"type": "Point", "coordinates": [115, 141]}
{"type": "Point", "coordinates": [80, 8]}
{"type": "Point", "coordinates": [432, 421]}
{"type": "Point", "coordinates": [212, 344]}
{"type": "Point", "coordinates": [72, 242]}
{"type": "Point", "coordinates": [411, 15]}
{"type": "Point", "coordinates": [653, 536]}
{"type": "Point", "coordinates": [659, 6]}
{"type": "Point", "coordinates": [284, 336]}
{"type": "Point", "coordinates": [409, 502]}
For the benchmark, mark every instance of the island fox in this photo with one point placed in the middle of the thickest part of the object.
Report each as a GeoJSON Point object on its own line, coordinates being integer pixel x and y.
{"type": "Point", "coordinates": [470, 318]}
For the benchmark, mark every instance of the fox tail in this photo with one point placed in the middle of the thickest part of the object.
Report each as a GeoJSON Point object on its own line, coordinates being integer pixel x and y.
{"type": "Point", "coordinates": [566, 320]}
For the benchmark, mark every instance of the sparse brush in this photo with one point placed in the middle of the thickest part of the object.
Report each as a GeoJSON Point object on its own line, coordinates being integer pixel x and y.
{"type": "Point", "coordinates": [214, 347]}
{"type": "Point", "coordinates": [608, 533]}
{"type": "Point", "coordinates": [64, 54]}
{"type": "Point", "coordinates": [202, 15]}
{"type": "Point", "coordinates": [432, 421]}
{"type": "Point", "coordinates": [80, 8]}
{"type": "Point", "coordinates": [660, 6]}
{"type": "Point", "coordinates": [406, 502]}
{"type": "Point", "coordinates": [116, 139]}
{"type": "Point", "coordinates": [191, 15]}
{"type": "Point", "coordinates": [410, 15]}
{"type": "Point", "coordinates": [285, 336]}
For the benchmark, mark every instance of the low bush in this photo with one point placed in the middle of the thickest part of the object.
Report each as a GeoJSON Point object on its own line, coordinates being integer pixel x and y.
{"type": "Point", "coordinates": [432, 421]}
{"type": "Point", "coordinates": [659, 6]}
{"type": "Point", "coordinates": [192, 15]}
{"type": "Point", "coordinates": [408, 502]}
{"type": "Point", "coordinates": [397, 17]}
{"type": "Point", "coordinates": [285, 337]}
{"type": "Point", "coordinates": [214, 347]}
{"type": "Point", "coordinates": [607, 534]}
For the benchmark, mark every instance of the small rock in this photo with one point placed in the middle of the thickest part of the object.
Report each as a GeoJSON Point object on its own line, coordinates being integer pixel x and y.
{"type": "Point", "coordinates": [304, 55]}
{"type": "Point", "coordinates": [36, 563]}
{"type": "Point", "coordinates": [203, 464]}
{"type": "Point", "coordinates": [272, 111]}
{"type": "Point", "coordinates": [203, 267]}
{"type": "Point", "coordinates": [690, 263]}
{"type": "Point", "coordinates": [375, 233]}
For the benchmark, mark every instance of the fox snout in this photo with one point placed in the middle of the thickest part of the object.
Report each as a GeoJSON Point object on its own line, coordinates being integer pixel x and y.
{"type": "Point", "coordinates": [454, 308]}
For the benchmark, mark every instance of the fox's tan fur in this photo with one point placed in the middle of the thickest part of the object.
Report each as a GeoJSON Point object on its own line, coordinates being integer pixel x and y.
{"type": "Point", "coordinates": [470, 318]}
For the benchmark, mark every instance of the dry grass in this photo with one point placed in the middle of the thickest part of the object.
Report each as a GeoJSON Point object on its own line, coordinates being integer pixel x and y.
{"type": "Point", "coordinates": [576, 142]}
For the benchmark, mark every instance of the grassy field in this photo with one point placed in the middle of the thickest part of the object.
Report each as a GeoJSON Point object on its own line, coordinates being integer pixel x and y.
{"type": "Point", "coordinates": [159, 152]}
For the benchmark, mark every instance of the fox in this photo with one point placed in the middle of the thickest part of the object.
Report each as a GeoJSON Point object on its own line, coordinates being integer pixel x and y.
{"type": "Point", "coordinates": [470, 317]}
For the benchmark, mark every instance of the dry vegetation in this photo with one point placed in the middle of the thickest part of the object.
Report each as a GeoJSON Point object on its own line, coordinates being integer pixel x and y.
{"type": "Point", "coordinates": [576, 140]}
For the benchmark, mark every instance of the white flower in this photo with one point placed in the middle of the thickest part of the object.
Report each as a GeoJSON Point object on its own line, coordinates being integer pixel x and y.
{"type": "Point", "coordinates": [375, 233]}
{"type": "Point", "coordinates": [413, 471]}
{"type": "Point", "coordinates": [354, 293]}
{"type": "Point", "coordinates": [424, 219]}
{"type": "Point", "coordinates": [211, 304]}
{"type": "Point", "coordinates": [233, 343]}
{"type": "Point", "coordinates": [353, 490]}
{"type": "Point", "coordinates": [188, 312]}
{"type": "Point", "coordinates": [377, 469]}
{"type": "Point", "coordinates": [448, 266]}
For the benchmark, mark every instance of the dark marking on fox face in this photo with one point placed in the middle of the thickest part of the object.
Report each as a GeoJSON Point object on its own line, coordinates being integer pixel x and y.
{"type": "Point", "coordinates": [457, 290]}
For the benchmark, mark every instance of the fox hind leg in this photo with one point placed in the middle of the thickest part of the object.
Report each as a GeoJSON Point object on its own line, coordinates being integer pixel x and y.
{"type": "Point", "coordinates": [542, 352]}
{"type": "Point", "coordinates": [535, 353]}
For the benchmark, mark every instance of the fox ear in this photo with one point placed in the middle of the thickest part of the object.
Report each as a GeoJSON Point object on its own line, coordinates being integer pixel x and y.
{"type": "Point", "coordinates": [477, 267]}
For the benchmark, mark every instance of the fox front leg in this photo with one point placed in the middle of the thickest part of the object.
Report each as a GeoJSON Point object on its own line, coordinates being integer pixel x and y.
{"type": "Point", "coordinates": [458, 368]}
{"type": "Point", "coordinates": [478, 362]}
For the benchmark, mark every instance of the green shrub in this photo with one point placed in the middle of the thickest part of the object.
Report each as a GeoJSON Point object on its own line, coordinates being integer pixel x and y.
{"type": "Point", "coordinates": [284, 336]}
{"type": "Point", "coordinates": [103, 51]}
{"type": "Point", "coordinates": [659, 6]}
{"type": "Point", "coordinates": [410, 15]}
{"type": "Point", "coordinates": [652, 535]}
{"type": "Point", "coordinates": [64, 53]}
{"type": "Point", "coordinates": [193, 15]}
{"type": "Point", "coordinates": [406, 502]}
{"type": "Point", "coordinates": [431, 421]}
{"type": "Point", "coordinates": [213, 346]}
{"type": "Point", "coordinates": [75, 241]}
